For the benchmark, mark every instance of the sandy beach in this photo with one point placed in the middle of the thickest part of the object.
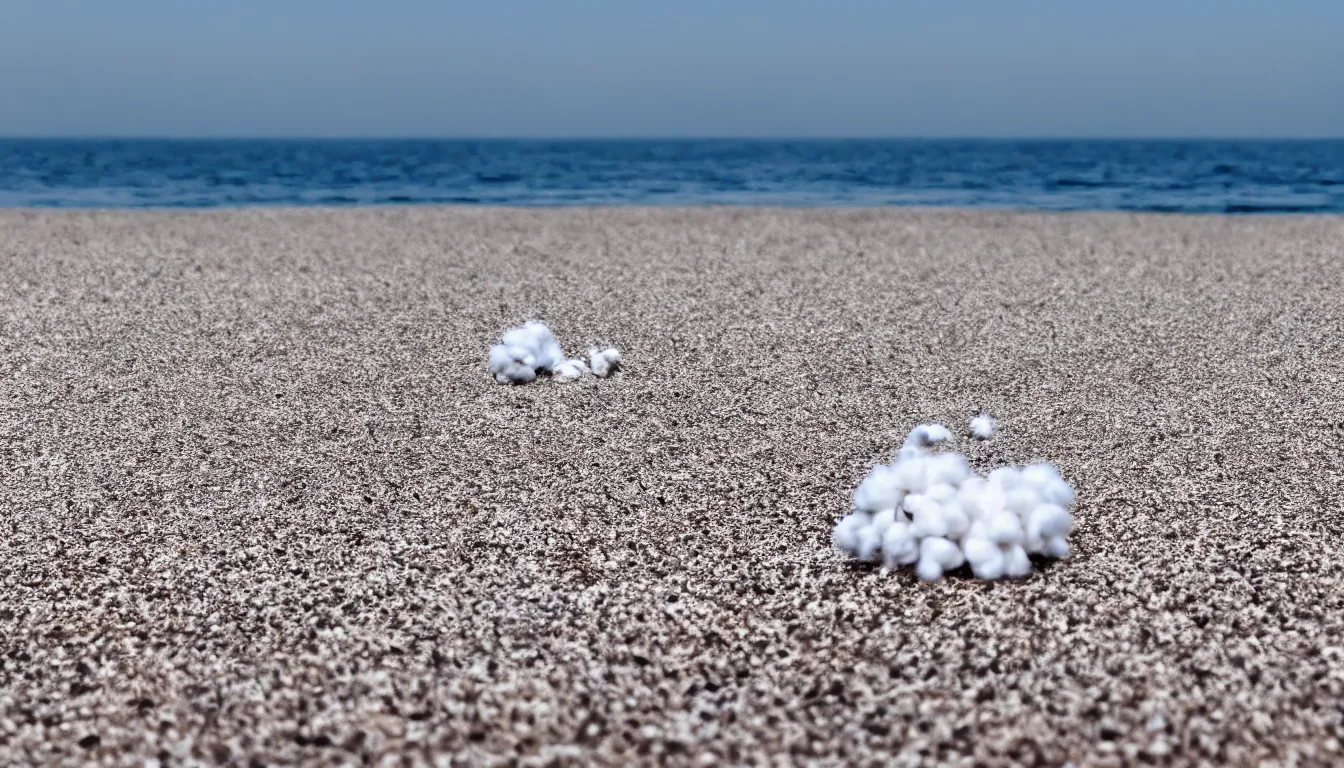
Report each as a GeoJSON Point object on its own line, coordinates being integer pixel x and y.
{"type": "Point", "coordinates": [262, 504]}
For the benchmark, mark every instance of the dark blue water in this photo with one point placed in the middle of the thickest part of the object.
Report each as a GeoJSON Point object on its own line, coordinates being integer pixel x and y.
{"type": "Point", "coordinates": [1185, 176]}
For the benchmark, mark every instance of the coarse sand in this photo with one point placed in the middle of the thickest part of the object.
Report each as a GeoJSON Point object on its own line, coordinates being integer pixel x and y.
{"type": "Point", "coordinates": [261, 502]}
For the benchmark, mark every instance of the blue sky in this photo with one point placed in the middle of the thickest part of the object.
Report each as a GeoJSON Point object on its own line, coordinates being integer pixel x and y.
{"type": "Point", "coordinates": [692, 68]}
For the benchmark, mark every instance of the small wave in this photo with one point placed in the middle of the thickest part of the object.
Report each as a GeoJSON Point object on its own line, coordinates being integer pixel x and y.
{"type": "Point", "coordinates": [1272, 208]}
{"type": "Point", "coordinates": [498, 178]}
{"type": "Point", "coordinates": [1084, 183]}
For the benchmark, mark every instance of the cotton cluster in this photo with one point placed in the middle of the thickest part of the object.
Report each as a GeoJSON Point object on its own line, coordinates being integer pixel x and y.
{"type": "Point", "coordinates": [931, 510]}
{"type": "Point", "coordinates": [982, 427]}
{"type": "Point", "coordinates": [531, 349]}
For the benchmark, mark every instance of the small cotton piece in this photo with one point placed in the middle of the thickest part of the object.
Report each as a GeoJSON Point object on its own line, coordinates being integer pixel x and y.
{"type": "Point", "coordinates": [929, 520]}
{"type": "Point", "coordinates": [604, 362]}
{"type": "Point", "coordinates": [1016, 564]}
{"type": "Point", "coordinates": [879, 490]}
{"type": "Point", "coordinates": [931, 510]}
{"type": "Point", "coordinates": [948, 469]}
{"type": "Point", "coordinates": [986, 558]}
{"type": "Point", "coordinates": [846, 534]}
{"type": "Point", "coordinates": [539, 341]}
{"type": "Point", "coordinates": [926, 435]}
{"type": "Point", "coordinates": [956, 519]}
{"type": "Point", "coordinates": [982, 427]}
{"type": "Point", "coordinates": [1047, 528]}
{"type": "Point", "coordinates": [512, 365]}
{"type": "Point", "coordinates": [870, 542]}
{"type": "Point", "coordinates": [570, 370]}
{"type": "Point", "coordinates": [1005, 478]}
{"type": "Point", "coordinates": [899, 546]}
{"type": "Point", "coordinates": [937, 556]}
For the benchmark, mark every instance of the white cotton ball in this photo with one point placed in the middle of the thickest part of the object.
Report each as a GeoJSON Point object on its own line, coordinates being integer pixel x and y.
{"type": "Point", "coordinates": [511, 364]}
{"type": "Point", "coordinates": [936, 433]}
{"type": "Point", "coordinates": [958, 522]}
{"type": "Point", "coordinates": [936, 557]}
{"type": "Point", "coordinates": [1049, 521]}
{"type": "Point", "coordinates": [570, 370]}
{"type": "Point", "coordinates": [879, 490]}
{"type": "Point", "coordinates": [912, 502]}
{"type": "Point", "coordinates": [523, 336]}
{"type": "Point", "coordinates": [992, 501]}
{"type": "Point", "coordinates": [928, 569]}
{"type": "Point", "coordinates": [1021, 500]}
{"type": "Point", "coordinates": [947, 468]}
{"type": "Point", "coordinates": [948, 553]}
{"type": "Point", "coordinates": [1057, 547]}
{"type": "Point", "coordinates": [846, 534]}
{"type": "Point", "coordinates": [968, 495]}
{"type": "Point", "coordinates": [991, 569]}
{"type": "Point", "coordinates": [604, 362]}
{"type": "Point", "coordinates": [940, 492]}
{"type": "Point", "coordinates": [982, 427]}
{"type": "Point", "coordinates": [1003, 528]}
{"type": "Point", "coordinates": [976, 547]}
{"type": "Point", "coordinates": [929, 520]}
{"type": "Point", "coordinates": [1059, 492]}
{"type": "Point", "coordinates": [909, 453]}
{"type": "Point", "coordinates": [539, 341]}
{"type": "Point", "coordinates": [1047, 527]}
{"type": "Point", "coordinates": [1039, 475]}
{"type": "Point", "coordinates": [911, 475]}
{"type": "Point", "coordinates": [926, 435]}
{"type": "Point", "coordinates": [1016, 564]}
{"type": "Point", "coordinates": [502, 354]}
{"type": "Point", "coordinates": [550, 356]}
{"type": "Point", "coordinates": [1005, 478]}
{"type": "Point", "coordinates": [899, 546]}
{"type": "Point", "coordinates": [1046, 480]}
{"type": "Point", "coordinates": [986, 558]}
{"type": "Point", "coordinates": [870, 541]}
{"type": "Point", "coordinates": [884, 519]}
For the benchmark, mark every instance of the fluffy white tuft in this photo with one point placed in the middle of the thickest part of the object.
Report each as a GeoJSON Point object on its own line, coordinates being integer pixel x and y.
{"type": "Point", "coordinates": [604, 362]}
{"type": "Point", "coordinates": [934, 512]}
{"type": "Point", "coordinates": [982, 427]}
{"type": "Point", "coordinates": [512, 364]}
{"type": "Point", "coordinates": [846, 534]}
{"type": "Point", "coordinates": [539, 341]}
{"type": "Point", "coordinates": [571, 370]}
{"type": "Point", "coordinates": [926, 435]}
{"type": "Point", "coordinates": [899, 546]}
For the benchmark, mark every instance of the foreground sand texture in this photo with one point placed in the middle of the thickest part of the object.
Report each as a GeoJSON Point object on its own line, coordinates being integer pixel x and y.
{"type": "Point", "coordinates": [260, 502]}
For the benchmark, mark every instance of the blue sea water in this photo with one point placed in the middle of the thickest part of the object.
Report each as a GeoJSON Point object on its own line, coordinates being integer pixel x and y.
{"type": "Point", "coordinates": [1173, 176]}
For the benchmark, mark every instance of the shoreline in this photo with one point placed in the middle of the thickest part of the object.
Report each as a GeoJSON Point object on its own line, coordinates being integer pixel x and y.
{"type": "Point", "coordinates": [1238, 213]}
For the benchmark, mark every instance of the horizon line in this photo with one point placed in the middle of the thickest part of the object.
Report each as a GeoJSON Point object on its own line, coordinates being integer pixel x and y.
{"type": "Point", "coordinates": [704, 138]}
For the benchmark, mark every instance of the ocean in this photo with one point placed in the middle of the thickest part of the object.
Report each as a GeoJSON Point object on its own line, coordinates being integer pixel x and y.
{"type": "Point", "coordinates": [1170, 176]}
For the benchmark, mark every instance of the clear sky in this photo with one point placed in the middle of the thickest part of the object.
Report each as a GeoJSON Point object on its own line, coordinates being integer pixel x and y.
{"type": "Point", "coordinates": [603, 68]}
